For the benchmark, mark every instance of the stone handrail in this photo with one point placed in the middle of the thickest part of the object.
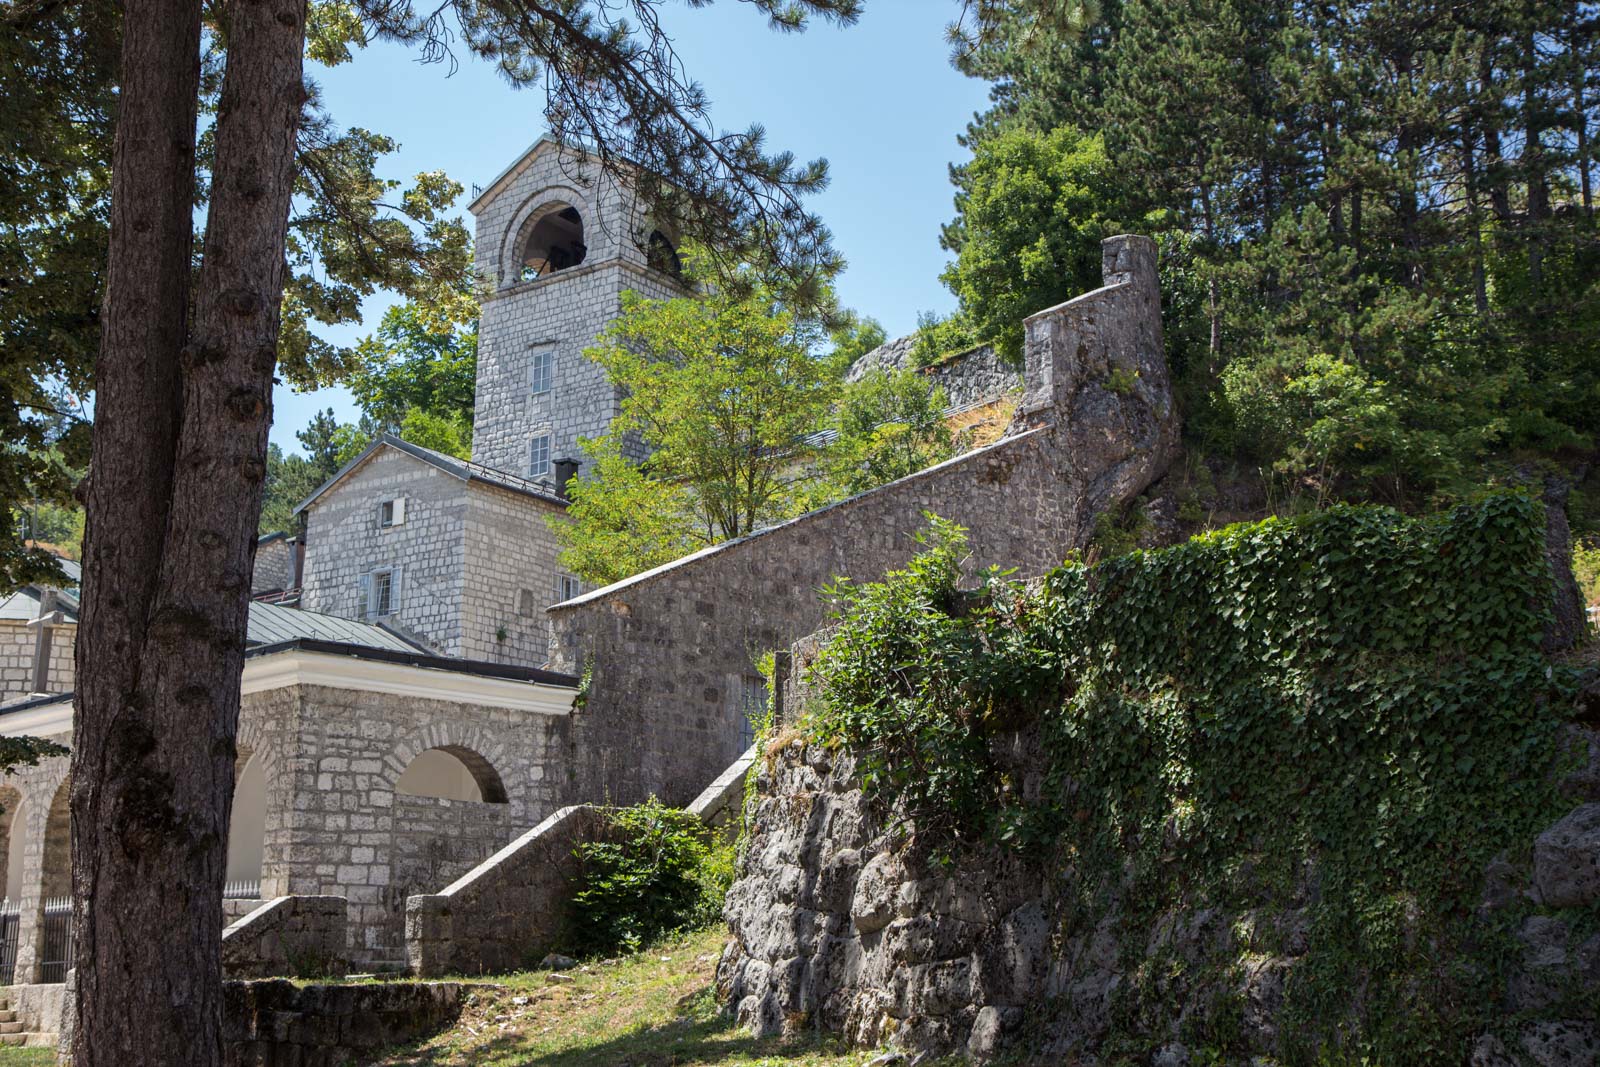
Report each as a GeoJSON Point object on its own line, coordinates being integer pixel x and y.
{"type": "Point", "coordinates": [303, 936]}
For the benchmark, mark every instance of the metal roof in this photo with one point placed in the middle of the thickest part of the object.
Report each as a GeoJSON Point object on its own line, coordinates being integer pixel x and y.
{"type": "Point", "coordinates": [466, 470]}
{"type": "Point", "coordinates": [274, 625]}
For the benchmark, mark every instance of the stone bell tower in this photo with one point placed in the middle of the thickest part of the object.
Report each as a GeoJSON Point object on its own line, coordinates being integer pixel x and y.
{"type": "Point", "coordinates": [558, 241]}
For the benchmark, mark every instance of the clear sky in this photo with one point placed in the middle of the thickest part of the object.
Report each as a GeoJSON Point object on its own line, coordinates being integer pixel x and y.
{"type": "Point", "coordinates": [878, 100]}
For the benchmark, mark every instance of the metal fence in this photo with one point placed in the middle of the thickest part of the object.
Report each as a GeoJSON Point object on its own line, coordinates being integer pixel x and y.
{"type": "Point", "coordinates": [10, 928]}
{"type": "Point", "coordinates": [243, 889]}
{"type": "Point", "coordinates": [55, 954]}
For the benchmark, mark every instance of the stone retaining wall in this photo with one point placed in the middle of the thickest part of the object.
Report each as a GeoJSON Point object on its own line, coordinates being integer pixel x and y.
{"type": "Point", "coordinates": [275, 1023]}
{"type": "Point", "coordinates": [977, 376]}
{"type": "Point", "coordinates": [675, 647]}
{"type": "Point", "coordinates": [301, 936]}
{"type": "Point", "coordinates": [507, 912]}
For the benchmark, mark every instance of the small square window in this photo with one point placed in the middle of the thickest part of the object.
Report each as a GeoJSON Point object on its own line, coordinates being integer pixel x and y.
{"type": "Point", "coordinates": [383, 594]}
{"type": "Point", "coordinates": [392, 512]}
{"type": "Point", "coordinates": [540, 371]}
{"type": "Point", "coordinates": [539, 457]}
{"type": "Point", "coordinates": [567, 587]}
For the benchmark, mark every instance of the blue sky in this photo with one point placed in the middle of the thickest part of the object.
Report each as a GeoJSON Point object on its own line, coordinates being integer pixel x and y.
{"type": "Point", "coordinates": [878, 100]}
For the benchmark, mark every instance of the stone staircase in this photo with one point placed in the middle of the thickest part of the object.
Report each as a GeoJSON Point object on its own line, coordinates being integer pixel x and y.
{"type": "Point", "coordinates": [13, 1035]}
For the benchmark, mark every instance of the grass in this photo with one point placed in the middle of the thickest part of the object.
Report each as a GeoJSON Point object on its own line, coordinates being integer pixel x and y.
{"type": "Point", "coordinates": [27, 1057]}
{"type": "Point", "coordinates": [654, 1009]}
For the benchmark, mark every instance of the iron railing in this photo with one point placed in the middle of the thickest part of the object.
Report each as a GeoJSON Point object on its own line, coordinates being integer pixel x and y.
{"type": "Point", "coordinates": [243, 889]}
{"type": "Point", "coordinates": [10, 928]}
{"type": "Point", "coordinates": [55, 955]}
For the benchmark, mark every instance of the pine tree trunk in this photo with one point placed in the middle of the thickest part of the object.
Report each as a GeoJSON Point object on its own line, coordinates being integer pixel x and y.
{"type": "Point", "coordinates": [181, 418]}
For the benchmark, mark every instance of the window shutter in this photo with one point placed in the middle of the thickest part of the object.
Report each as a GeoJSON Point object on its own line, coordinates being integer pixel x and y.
{"type": "Point", "coordinates": [394, 590]}
{"type": "Point", "coordinates": [399, 510]}
{"type": "Point", "coordinates": [366, 596]}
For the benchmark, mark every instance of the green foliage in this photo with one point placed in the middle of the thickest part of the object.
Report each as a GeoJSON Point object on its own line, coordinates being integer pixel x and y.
{"type": "Point", "coordinates": [1032, 211]}
{"type": "Point", "coordinates": [659, 870]}
{"type": "Point", "coordinates": [416, 362]}
{"type": "Point", "coordinates": [1586, 569]}
{"type": "Point", "coordinates": [889, 424]}
{"type": "Point", "coordinates": [1292, 161]}
{"type": "Point", "coordinates": [1350, 693]}
{"type": "Point", "coordinates": [723, 391]}
{"type": "Point", "coordinates": [621, 520]}
{"type": "Point", "coordinates": [940, 337]}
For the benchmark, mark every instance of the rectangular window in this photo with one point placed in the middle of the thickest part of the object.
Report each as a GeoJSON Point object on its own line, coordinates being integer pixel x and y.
{"type": "Point", "coordinates": [382, 590]}
{"type": "Point", "coordinates": [567, 587]}
{"type": "Point", "coordinates": [539, 371]}
{"type": "Point", "coordinates": [392, 512]}
{"type": "Point", "coordinates": [539, 457]}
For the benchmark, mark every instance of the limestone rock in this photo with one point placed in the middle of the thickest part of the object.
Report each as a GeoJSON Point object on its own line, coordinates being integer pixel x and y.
{"type": "Point", "coordinates": [1566, 859]}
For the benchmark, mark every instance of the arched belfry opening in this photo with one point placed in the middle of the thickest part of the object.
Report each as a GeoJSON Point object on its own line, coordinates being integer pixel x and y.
{"type": "Point", "coordinates": [662, 256]}
{"type": "Point", "coordinates": [555, 243]}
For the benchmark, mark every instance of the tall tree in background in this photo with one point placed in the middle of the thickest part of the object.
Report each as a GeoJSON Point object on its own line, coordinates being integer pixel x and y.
{"type": "Point", "coordinates": [183, 402]}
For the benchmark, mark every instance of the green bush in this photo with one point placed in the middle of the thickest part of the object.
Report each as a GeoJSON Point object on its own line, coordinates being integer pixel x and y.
{"type": "Point", "coordinates": [1352, 689]}
{"type": "Point", "coordinates": [658, 870]}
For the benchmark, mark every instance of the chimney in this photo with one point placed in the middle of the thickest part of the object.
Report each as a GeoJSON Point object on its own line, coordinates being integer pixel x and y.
{"type": "Point", "coordinates": [565, 470]}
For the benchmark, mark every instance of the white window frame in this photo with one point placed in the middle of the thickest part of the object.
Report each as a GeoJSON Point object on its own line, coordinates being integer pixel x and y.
{"type": "Point", "coordinates": [534, 454]}
{"type": "Point", "coordinates": [541, 371]}
{"type": "Point", "coordinates": [392, 513]}
{"type": "Point", "coordinates": [371, 584]}
{"type": "Point", "coordinates": [567, 587]}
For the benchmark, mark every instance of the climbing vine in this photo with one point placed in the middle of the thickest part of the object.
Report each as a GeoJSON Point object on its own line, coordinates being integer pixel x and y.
{"type": "Point", "coordinates": [1349, 708]}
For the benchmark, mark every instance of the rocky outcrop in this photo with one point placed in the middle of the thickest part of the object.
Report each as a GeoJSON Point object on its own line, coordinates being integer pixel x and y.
{"type": "Point", "coordinates": [840, 921]}
{"type": "Point", "coordinates": [976, 376]}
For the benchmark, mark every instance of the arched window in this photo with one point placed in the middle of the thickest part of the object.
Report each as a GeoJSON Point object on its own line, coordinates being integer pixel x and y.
{"type": "Point", "coordinates": [555, 243]}
{"type": "Point", "coordinates": [661, 256]}
{"type": "Point", "coordinates": [247, 825]}
{"type": "Point", "coordinates": [452, 773]}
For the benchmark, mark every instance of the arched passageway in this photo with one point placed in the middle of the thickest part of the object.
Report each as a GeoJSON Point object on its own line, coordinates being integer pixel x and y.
{"type": "Point", "coordinates": [452, 773]}
{"type": "Point", "coordinates": [247, 826]}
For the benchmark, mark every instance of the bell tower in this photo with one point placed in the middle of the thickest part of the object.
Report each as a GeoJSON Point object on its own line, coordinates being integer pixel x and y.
{"type": "Point", "coordinates": [558, 242]}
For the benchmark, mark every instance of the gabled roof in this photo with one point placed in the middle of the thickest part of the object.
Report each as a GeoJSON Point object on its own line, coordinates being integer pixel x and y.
{"type": "Point", "coordinates": [492, 190]}
{"type": "Point", "coordinates": [466, 470]}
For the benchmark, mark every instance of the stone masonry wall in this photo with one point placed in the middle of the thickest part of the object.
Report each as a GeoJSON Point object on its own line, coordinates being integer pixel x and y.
{"type": "Point", "coordinates": [438, 841]}
{"type": "Point", "coordinates": [345, 835]}
{"type": "Point", "coordinates": [17, 644]}
{"type": "Point", "coordinates": [288, 937]}
{"type": "Point", "coordinates": [271, 570]}
{"type": "Point", "coordinates": [275, 1023]}
{"type": "Point", "coordinates": [510, 910]}
{"type": "Point", "coordinates": [838, 921]}
{"type": "Point", "coordinates": [672, 649]}
{"type": "Point", "coordinates": [511, 576]}
{"type": "Point", "coordinates": [970, 378]}
{"type": "Point", "coordinates": [563, 311]}
{"type": "Point", "coordinates": [344, 541]}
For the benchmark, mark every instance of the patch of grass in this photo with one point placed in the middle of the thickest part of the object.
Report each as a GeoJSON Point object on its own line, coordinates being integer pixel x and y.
{"type": "Point", "coordinates": [27, 1057]}
{"type": "Point", "coordinates": [657, 1008]}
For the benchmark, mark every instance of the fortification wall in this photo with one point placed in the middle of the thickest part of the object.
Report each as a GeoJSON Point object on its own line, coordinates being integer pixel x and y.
{"type": "Point", "coordinates": [673, 650]}
{"type": "Point", "coordinates": [977, 376]}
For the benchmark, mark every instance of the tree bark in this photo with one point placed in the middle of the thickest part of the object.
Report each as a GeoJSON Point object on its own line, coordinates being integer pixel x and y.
{"type": "Point", "coordinates": [182, 413]}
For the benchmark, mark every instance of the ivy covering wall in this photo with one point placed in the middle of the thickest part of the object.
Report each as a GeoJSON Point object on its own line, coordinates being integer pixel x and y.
{"type": "Point", "coordinates": [1349, 709]}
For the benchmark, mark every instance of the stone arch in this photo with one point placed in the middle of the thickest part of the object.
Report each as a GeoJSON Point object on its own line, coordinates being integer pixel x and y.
{"type": "Point", "coordinates": [247, 818]}
{"type": "Point", "coordinates": [13, 841]}
{"type": "Point", "coordinates": [480, 757]}
{"type": "Point", "coordinates": [55, 859]}
{"type": "Point", "coordinates": [452, 772]}
{"type": "Point", "coordinates": [546, 208]}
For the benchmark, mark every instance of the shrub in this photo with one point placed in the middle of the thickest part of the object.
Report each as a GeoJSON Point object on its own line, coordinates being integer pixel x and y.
{"type": "Point", "coordinates": [659, 870]}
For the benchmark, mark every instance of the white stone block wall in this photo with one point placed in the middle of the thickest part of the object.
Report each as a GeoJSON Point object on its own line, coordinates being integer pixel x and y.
{"type": "Point", "coordinates": [17, 644]}
{"type": "Point", "coordinates": [510, 551]}
{"type": "Point", "coordinates": [344, 541]}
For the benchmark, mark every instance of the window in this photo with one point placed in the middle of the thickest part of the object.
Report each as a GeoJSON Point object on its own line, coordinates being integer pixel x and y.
{"type": "Point", "coordinates": [539, 371]}
{"type": "Point", "coordinates": [539, 457]}
{"type": "Point", "coordinates": [567, 587]}
{"type": "Point", "coordinates": [392, 512]}
{"type": "Point", "coordinates": [381, 592]}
